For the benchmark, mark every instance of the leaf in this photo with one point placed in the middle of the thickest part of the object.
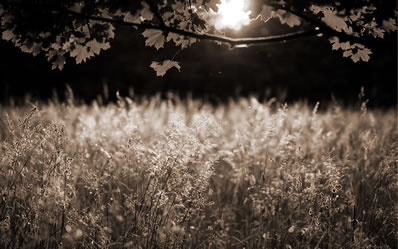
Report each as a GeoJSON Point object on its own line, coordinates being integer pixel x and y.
{"type": "Point", "coordinates": [334, 21]}
{"type": "Point", "coordinates": [266, 13]}
{"type": "Point", "coordinates": [132, 18]}
{"type": "Point", "coordinates": [81, 53]}
{"type": "Point", "coordinates": [162, 68]}
{"type": "Point", "coordinates": [7, 35]}
{"type": "Point", "coordinates": [146, 12]}
{"type": "Point", "coordinates": [58, 63]}
{"type": "Point", "coordinates": [361, 54]}
{"type": "Point", "coordinates": [287, 18]}
{"type": "Point", "coordinates": [167, 15]}
{"type": "Point", "coordinates": [390, 25]}
{"type": "Point", "coordinates": [110, 30]}
{"type": "Point", "coordinates": [347, 53]}
{"type": "Point", "coordinates": [31, 48]}
{"type": "Point", "coordinates": [330, 18]}
{"type": "Point", "coordinates": [96, 46]}
{"type": "Point", "coordinates": [172, 36]}
{"type": "Point", "coordinates": [180, 40]}
{"type": "Point", "coordinates": [345, 45]}
{"type": "Point", "coordinates": [336, 44]}
{"type": "Point", "coordinates": [154, 38]}
{"type": "Point", "coordinates": [377, 32]}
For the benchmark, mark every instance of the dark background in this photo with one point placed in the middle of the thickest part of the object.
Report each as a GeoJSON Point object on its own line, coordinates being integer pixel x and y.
{"type": "Point", "coordinates": [302, 69]}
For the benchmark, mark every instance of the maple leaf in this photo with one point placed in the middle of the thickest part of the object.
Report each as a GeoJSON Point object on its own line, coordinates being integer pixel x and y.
{"type": "Point", "coordinates": [58, 63]}
{"type": "Point", "coordinates": [331, 19]}
{"type": "Point", "coordinates": [81, 53]}
{"type": "Point", "coordinates": [390, 25]}
{"type": "Point", "coordinates": [377, 32]}
{"type": "Point", "coordinates": [162, 67]}
{"type": "Point", "coordinates": [361, 54]}
{"type": "Point", "coordinates": [96, 46]}
{"type": "Point", "coordinates": [335, 22]}
{"type": "Point", "coordinates": [154, 38]}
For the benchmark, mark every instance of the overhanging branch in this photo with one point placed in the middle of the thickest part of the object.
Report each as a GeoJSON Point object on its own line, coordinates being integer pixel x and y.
{"type": "Point", "coordinates": [323, 27]}
{"type": "Point", "coordinates": [205, 36]}
{"type": "Point", "coordinates": [319, 29]}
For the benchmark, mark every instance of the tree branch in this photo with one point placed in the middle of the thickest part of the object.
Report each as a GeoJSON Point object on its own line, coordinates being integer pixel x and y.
{"type": "Point", "coordinates": [205, 36]}
{"type": "Point", "coordinates": [319, 29]}
{"type": "Point", "coordinates": [323, 27]}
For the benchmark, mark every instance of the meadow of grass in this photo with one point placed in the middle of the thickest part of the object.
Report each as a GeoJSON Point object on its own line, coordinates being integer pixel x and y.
{"type": "Point", "coordinates": [183, 174]}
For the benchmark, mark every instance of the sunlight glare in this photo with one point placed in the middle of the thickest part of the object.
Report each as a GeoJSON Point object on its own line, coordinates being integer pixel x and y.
{"type": "Point", "coordinates": [231, 14]}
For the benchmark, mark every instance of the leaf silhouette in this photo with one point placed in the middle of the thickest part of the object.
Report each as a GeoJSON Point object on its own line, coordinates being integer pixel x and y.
{"type": "Point", "coordinates": [154, 37]}
{"type": "Point", "coordinates": [162, 67]}
{"type": "Point", "coordinates": [361, 54]}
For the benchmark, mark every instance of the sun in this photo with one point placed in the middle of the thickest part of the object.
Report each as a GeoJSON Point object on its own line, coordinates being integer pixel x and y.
{"type": "Point", "coordinates": [231, 14]}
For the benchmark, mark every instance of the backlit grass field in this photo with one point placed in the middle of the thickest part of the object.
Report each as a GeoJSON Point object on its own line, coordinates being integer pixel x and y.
{"type": "Point", "coordinates": [174, 174]}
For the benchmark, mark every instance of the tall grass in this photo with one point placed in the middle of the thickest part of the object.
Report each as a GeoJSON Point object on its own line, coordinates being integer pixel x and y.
{"type": "Point", "coordinates": [173, 174]}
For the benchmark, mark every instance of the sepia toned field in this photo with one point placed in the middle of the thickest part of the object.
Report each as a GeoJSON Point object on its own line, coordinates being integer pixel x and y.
{"type": "Point", "coordinates": [183, 174]}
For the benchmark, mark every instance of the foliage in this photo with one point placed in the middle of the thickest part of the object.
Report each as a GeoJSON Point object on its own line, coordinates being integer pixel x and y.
{"type": "Point", "coordinates": [81, 29]}
{"type": "Point", "coordinates": [173, 174]}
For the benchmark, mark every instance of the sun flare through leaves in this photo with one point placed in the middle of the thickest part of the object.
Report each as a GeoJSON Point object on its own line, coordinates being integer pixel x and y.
{"type": "Point", "coordinates": [232, 14]}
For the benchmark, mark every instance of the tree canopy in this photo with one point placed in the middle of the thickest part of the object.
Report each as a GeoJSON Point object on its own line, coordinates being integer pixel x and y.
{"type": "Point", "coordinates": [78, 30]}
